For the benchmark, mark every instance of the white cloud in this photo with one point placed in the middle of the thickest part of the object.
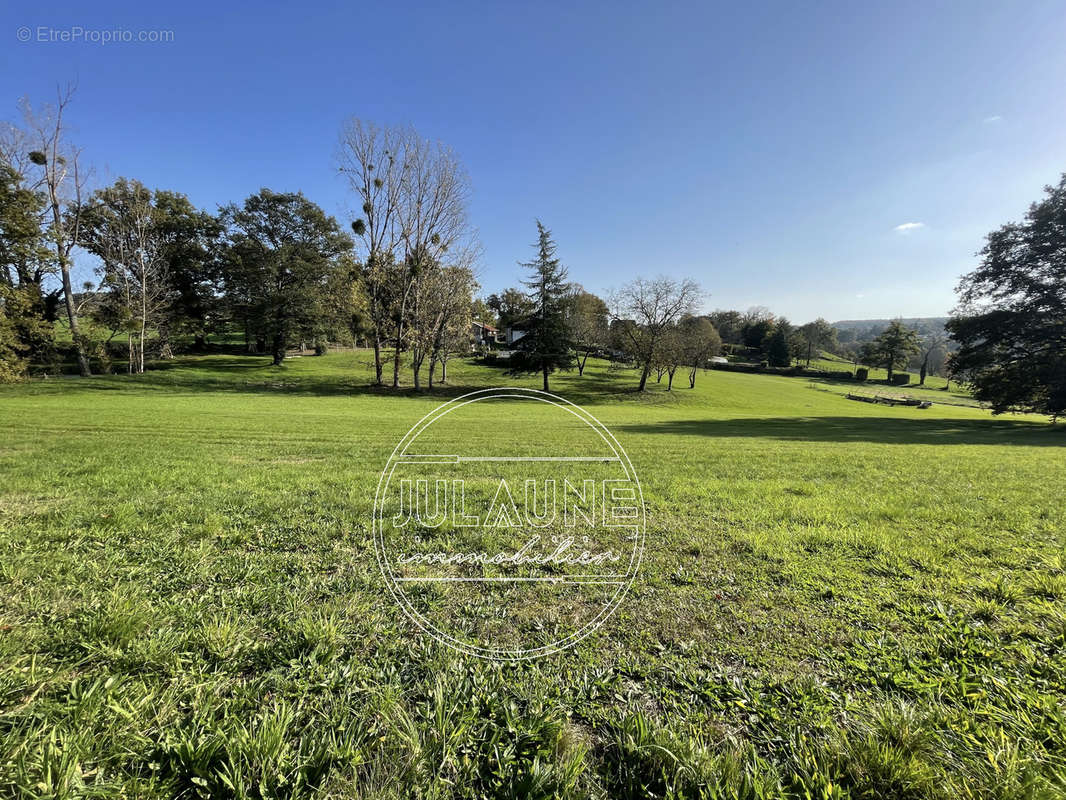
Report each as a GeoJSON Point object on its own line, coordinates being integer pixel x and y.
{"type": "Point", "coordinates": [907, 227]}
{"type": "Point", "coordinates": [993, 119]}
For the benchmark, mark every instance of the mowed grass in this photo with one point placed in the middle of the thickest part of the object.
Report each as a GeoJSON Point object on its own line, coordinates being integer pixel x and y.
{"type": "Point", "coordinates": [837, 599]}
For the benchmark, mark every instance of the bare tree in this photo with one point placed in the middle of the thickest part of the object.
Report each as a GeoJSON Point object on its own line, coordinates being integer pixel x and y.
{"type": "Point", "coordinates": [372, 158]}
{"type": "Point", "coordinates": [433, 229]}
{"type": "Point", "coordinates": [120, 225]}
{"type": "Point", "coordinates": [650, 307]}
{"type": "Point", "coordinates": [61, 180]}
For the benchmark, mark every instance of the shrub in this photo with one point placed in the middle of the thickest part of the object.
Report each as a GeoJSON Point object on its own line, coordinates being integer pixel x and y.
{"type": "Point", "coordinates": [862, 374]}
{"type": "Point", "coordinates": [901, 378]}
{"type": "Point", "coordinates": [321, 347]}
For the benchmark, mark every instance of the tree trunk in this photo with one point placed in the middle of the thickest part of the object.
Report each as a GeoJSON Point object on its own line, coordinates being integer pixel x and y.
{"type": "Point", "coordinates": [692, 379]}
{"type": "Point", "coordinates": [670, 380]}
{"type": "Point", "coordinates": [432, 369]}
{"type": "Point", "coordinates": [144, 325]}
{"type": "Point", "coordinates": [444, 371]}
{"type": "Point", "coordinates": [809, 346]}
{"type": "Point", "coordinates": [396, 356]}
{"type": "Point", "coordinates": [279, 349]}
{"type": "Point", "coordinates": [72, 319]}
{"type": "Point", "coordinates": [377, 357]}
{"type": "Point", "coordinates": [581, 364]}
{"type": "Point", "coordinates": [544, 368]}
{"type": "Point", "coordinates": [644, 377]}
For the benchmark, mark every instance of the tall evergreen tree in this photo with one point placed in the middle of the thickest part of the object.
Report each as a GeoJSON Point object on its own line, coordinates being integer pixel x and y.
{"type": "Point", "coordinates": [547, 345]}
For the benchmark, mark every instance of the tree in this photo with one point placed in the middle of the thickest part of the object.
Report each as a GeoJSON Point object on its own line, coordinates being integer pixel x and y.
{"type": "Point", "coordinates": [480, 311]}
{"type": "Point", "coordinates": [431, 219]}
{"type": "Point", "coordinates": [61, 180]}
{"type": "Point", "coordinates": [777, 348]}
{"type": "Point", "coordinates": [452, 334]}
{"type": "Point", "coordinates": [669, 354]}
{"type": "Point", "coordinates": [818, 335]}
{"type": "Point", "coordinates": [121, 226]}
{"type": "Point", "coordinates": [189, 242]}
{"type": "Point", "coordinates": [281, 251]}
{"type": "Point", "coordinates": [892, 348]}
{"type": "Point", "coordinates": [440, 302]}
{"type": "Point", "coordinates": [644, 310]}
{"type": "Point", "coordinates": [933, 353]}
{"type": "Point", "coordinates": [588, 317]}
{"type": "Point", "coordinates": [1011, 321]}
{"type": "Point", "coordinates": [26, 332]}
{"type": "Point", "coordinates": [756, 327]}
{"type": "Point", "coordinates": [346, 316]}
{"type": "Point", "coordinates": [511, 306]}
{"type": "Point", "coordinates": [372, 159]}
{"type": "Point", "coordinates": [728, 324]}
{"type": "Point", "coordinates": [547, 344]}
{"type": "Point", "coordinates": [699, 342]}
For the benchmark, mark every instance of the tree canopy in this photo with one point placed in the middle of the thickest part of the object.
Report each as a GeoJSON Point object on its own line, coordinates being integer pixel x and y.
{"type": "Point", "coordinates": [892, 349]}
{"type": "Point", "coordinates": [1011, 321]}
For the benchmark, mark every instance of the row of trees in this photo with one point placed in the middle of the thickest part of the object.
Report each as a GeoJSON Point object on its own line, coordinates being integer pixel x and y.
{"type": "Point", "coordinates": [276, 266]}
{"type": "Point", "coordinates": [892, 346]}
{"type": "Point", "coordinates": [648, 322]}
{"type": "Point", "coordinates": [281, 270]}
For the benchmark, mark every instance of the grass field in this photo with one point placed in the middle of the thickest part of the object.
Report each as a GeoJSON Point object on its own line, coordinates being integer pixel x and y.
{"type": "Point", "coordinates": [838, 599]}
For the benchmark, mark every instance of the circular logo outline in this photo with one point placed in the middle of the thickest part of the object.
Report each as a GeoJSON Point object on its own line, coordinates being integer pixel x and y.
{"type": "Point", "coordinates": [496, 653]}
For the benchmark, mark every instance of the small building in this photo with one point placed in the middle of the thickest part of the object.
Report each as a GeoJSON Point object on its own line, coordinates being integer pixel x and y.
{"type": "Point", "coordinates": [514, 333]}
{"type": "Point", "coordinates": [483, 335]}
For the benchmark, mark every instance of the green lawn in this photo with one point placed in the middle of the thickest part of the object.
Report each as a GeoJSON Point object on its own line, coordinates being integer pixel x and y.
{"type": "Point", "coordinates": [838, 599]}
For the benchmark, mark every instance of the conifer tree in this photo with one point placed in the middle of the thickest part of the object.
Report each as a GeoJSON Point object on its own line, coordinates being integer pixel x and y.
{"type": "Point", "coordinates": [547, 345]}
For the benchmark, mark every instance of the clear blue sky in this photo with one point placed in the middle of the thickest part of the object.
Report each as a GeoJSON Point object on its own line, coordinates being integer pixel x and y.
{"type": "Point", "coordinates": [767, 150]}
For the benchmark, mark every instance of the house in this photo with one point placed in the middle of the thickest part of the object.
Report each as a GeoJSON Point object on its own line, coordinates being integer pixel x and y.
{"type": "Point", "coordinates": [514, 333]}
{"type": "Point", "coordinates": [483, 335]}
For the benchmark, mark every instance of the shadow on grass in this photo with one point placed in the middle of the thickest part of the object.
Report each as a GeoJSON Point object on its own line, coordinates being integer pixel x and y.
{"type": "Point", "coordinates": [887, 430]}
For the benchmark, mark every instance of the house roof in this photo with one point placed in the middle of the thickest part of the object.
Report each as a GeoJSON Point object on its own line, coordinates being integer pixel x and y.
{"type": "Point", "coordinates": [486, 327]}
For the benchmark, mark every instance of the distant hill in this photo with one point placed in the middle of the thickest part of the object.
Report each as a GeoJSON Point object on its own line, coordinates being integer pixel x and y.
{"type": "Point", "coordinates": [857, 331]}
{"type": "Point", "coordinates": [921, 323]}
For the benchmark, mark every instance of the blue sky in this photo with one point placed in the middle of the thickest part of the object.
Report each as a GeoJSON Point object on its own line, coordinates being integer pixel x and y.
{"type": "Point", "coordinates": [769, 151]}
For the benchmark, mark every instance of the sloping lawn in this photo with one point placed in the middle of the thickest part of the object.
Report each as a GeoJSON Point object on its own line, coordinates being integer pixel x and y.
{"type": "Point", "coordinates": [838, 599]}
